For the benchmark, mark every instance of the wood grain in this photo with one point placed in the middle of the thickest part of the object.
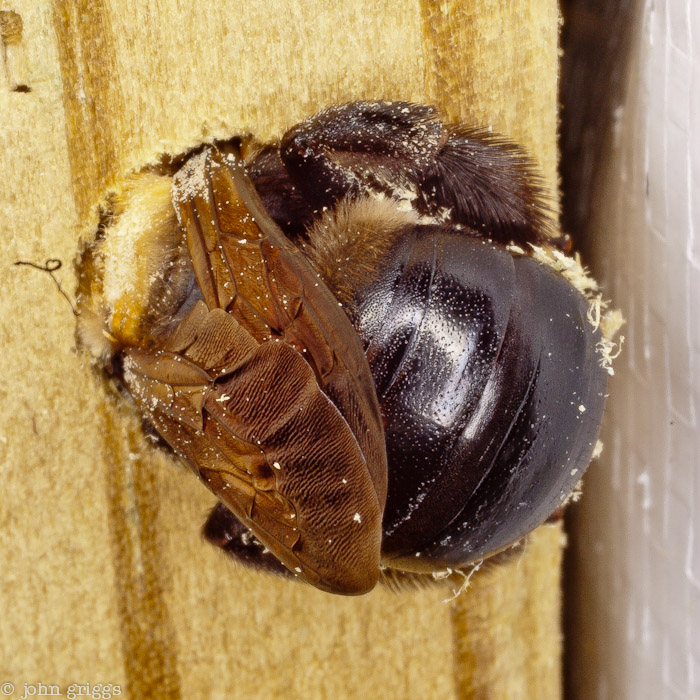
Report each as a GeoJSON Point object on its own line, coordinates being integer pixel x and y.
{"type": "Point", "coordinates": [106, 579]}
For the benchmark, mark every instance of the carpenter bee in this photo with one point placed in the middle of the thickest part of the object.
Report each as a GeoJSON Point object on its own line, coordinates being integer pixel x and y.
{"type": "Point", "coordinates": [362, 339]}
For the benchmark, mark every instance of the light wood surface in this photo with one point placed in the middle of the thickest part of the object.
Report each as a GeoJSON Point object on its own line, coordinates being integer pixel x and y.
{"type": "Point", "coordinates": [105, 578]}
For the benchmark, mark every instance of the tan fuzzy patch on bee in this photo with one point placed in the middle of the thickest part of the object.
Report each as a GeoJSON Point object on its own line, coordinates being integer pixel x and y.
{"type": "Point", "coordinates": [129, 265]}
{"type": "Point", "coordinates": [346, 245]}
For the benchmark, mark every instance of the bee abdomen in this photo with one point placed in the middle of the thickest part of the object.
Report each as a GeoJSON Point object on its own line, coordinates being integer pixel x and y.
{"type": "Point", "coordinates": [491, 392]}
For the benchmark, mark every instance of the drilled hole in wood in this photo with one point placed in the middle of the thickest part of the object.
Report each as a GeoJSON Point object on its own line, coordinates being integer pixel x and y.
{"type": "Point", "coordinates": [12, 51]}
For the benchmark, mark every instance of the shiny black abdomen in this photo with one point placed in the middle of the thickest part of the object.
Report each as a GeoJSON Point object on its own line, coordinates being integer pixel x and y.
{"type": "Point", "coordinates": [492, 393]}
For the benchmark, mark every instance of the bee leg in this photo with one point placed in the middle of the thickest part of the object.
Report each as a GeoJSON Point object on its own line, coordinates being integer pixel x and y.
{"type": "Point", "coordinates": [472, 176]}
{"type": "Point", "coordinates": [347, 147]}
{"type": "Point", "coordinates": [488, 184]}
{"type": "Point", "coordinates": [224, 530]}
{"type": "Point", "coordinates": [281, 197]}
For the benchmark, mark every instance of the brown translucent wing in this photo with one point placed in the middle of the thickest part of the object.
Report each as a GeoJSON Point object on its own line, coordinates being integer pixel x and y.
{"type": "Point", "coordinates": [246, 266]}
{"type": "Point", "coordinates": [264, 396]}
{"type": "Point", "coordinates": [274, 449]}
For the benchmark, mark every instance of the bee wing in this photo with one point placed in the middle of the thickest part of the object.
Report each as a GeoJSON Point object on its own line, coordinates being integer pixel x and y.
{"type": "Point", "coordinates": [245, 266]}
{"type": "Point", "coordinates": [268, 442]}
{"type": "Point", "coordinates": [268, 400]}
{"type": "Point", "coordinates": [224, 530]}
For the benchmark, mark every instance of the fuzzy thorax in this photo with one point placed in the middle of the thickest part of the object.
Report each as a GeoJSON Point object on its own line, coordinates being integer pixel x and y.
{"type": "Point", "coordinates": [130, 274]}
{"type": "Point", "coordinates": [347, 244]}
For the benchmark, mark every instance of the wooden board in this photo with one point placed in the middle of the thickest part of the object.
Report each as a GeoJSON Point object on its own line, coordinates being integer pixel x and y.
{"type": "Point", "coordinates": [105, 577]}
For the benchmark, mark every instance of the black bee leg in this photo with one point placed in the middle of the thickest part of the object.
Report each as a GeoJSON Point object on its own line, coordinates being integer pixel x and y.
{"type": "Point", "coordinates": [347, 147]}
{"type": "Point", "coordinates": [490, 185]}
{"type": "Point", "coordinates": [477, 178]}
{"type": "Point", "coordinates": [281, 197]}
{"type": "Point", "coordinates": [223, 529]}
